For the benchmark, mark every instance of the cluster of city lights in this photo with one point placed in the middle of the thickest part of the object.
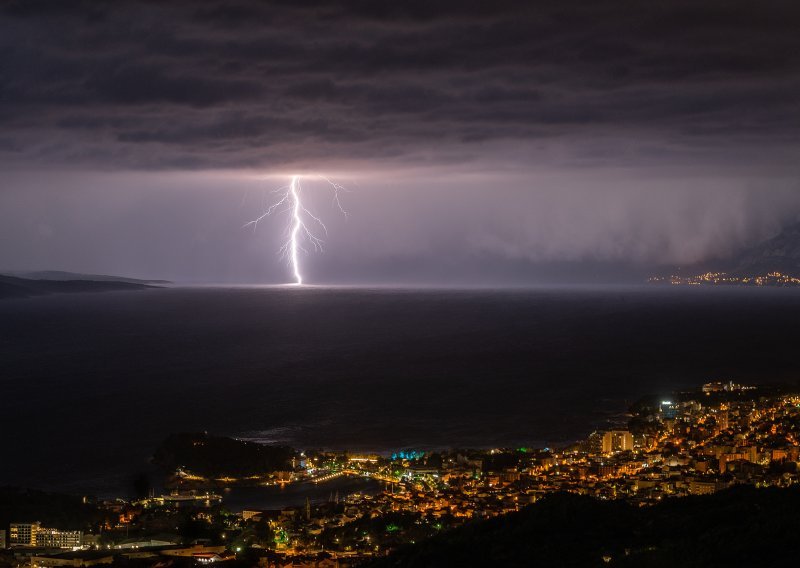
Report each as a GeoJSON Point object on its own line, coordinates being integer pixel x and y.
{"type": "Point", "coordinates": [722, 278]}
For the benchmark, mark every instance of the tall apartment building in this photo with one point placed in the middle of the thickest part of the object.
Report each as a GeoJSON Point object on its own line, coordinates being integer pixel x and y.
{"type": "Point", "coordinates": [617, 441]}
{"type": "Point", "coordinates": [22, 534]}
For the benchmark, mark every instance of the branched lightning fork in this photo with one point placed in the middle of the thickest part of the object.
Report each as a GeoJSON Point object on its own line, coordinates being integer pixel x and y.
{"type": "Point", "coordinates": [304, 226]}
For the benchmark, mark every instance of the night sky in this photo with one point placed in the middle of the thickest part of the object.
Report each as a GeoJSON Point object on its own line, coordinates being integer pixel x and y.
{"type": "Point", "coordinates": [482, 142]}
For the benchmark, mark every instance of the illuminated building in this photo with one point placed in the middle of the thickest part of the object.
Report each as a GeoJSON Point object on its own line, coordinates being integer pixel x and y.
{"type": "Point", "coordinates": [705, 487]}
{"type": "Point", "coordinates": [669, 409]}
{"type": "Point", "coordinates": [617, 441]}
{"type": "Point", "coordinates": [34, 534]}
{"type": "Point", "coordinates": [248, 514]}
{"type": "Point", "coordinates": [54, 538]}
{"type": "Point", "coordinates": [22, 534]}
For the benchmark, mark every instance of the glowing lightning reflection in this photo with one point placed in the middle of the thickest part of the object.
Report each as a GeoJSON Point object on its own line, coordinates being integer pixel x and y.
{"type": "Point", "coordinates": [299, 230]}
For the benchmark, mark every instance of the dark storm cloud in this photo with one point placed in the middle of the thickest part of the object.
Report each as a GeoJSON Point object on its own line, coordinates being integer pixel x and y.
{"type": "Point", "coordinates": [215, 84]}
{"type": "Point", "coordinates": [498, 135]}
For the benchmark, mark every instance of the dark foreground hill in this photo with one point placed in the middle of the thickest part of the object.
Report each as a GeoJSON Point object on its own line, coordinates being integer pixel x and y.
{"type": "Point", "coordinates": [14, 287]}
{"type": "Point", "coordinates": [739, 527]}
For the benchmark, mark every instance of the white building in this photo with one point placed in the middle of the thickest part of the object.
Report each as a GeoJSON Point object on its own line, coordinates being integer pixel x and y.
{"type": "Point", "coordinates": [55, 538]}
{"type": "Point", "coordinates": [34, 534]}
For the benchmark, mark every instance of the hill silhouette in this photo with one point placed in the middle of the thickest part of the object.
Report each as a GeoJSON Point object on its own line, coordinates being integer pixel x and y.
{"type": "Point", "coordinates": [742, 526]}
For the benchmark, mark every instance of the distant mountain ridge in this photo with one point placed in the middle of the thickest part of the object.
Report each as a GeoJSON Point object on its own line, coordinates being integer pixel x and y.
{"type": "Point", "coordinates": [63, 276]}
{"type": "Point", "coordinates": [774, 261]}
{"type": "Point", "coordinates": [15, 287]}
{"type": "Point", "coordinates": [780, 253]}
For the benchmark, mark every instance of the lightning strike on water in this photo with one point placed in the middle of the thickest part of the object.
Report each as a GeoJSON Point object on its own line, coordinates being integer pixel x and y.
{"type": "Point", "coordinates": [304, 226]}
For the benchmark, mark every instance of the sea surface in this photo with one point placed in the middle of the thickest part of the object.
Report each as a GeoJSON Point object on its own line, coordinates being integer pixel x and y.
{"type": "Point", "coordinates": [90, 383]}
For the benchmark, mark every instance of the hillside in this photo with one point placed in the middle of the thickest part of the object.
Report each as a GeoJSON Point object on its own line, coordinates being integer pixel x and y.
{"type": "Point", "coordinates": [218, 456]}
{"type": "Point", "coordinates": [739, 527]}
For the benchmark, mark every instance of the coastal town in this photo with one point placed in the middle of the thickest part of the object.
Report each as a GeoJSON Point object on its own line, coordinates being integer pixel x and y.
{"type": "Point", "coordinates": [694, 443]}
{"type": "Point", "coordinates": [773, 278]}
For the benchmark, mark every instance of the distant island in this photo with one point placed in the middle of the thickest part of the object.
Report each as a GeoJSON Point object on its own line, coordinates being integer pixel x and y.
{"type": "Point", "coordinates": [64, 276]}
{"type": "Point", "coordinates": [39, 283]}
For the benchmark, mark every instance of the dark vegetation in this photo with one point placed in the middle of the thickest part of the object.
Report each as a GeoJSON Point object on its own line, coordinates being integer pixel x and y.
{"type": "Point", "coordinates": [52, 509]}
{"type": "Point", "coordinates": [385, 531]}
{"type": "Point", "coordinates": [13, 287]}
{"type": "Point", "coordinates": [742, 526]}
{"type": "Point", "coordinates": [216, 456]}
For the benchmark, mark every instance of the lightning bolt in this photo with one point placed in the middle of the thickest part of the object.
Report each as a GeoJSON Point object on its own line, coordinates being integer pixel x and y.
{"type": "Point", "coordinates": [304, 227]}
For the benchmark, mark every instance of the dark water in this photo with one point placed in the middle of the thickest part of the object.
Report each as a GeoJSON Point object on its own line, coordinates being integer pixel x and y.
{"type": "Point", "coordinates": [90, 383]}
{"type": "Point", "coordinates": [276, 497]}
